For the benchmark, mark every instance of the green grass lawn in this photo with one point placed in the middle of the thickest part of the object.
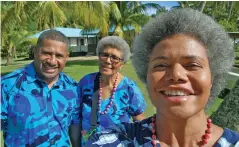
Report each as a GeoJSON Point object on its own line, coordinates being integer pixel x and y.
{"type": "Point", "coordinates": [77, 69]}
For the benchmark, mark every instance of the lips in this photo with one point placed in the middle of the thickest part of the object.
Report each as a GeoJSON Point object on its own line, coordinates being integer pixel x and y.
{"type": "Point", "coordinates": [176, 95]}
{"type": "Point", "coordinates": [49, 69]}
{"type": "Point", "coordinates": [106, 67]}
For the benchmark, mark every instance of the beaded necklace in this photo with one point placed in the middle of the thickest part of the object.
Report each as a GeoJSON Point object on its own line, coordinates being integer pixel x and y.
{"type": "Point", "coordinates": [111, 97]}
{"type": "Point", "coordinates": [203, 142]}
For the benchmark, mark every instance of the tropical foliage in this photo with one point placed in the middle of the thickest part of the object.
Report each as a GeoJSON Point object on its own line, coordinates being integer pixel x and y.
{"type": "Point", "coordinates": [123, 18]}
{"type": "Point", "coordinates": [225, 13]}
{"type": "Point", "coordinates": [21, 19]}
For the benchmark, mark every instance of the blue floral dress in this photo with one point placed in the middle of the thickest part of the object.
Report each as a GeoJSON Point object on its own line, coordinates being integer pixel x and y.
{"type": "Point", "coordinates": [139, 135]}
{"type": "Point", "coordinates": [128, 102]}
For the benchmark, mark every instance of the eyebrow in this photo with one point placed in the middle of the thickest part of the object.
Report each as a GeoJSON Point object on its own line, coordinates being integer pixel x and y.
{"type": "Point", "coordinates": [111, 55]}
{"type": "Point", "coordinates": [193, 57]}
{"type": "Point", "coordinates": [160, 58]}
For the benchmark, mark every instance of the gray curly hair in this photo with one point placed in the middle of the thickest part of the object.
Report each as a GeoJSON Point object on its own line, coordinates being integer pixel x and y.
{"type": "Point", "coordinates": [219, 46]}
{"type": "Point", "coordinates": [115, 42]}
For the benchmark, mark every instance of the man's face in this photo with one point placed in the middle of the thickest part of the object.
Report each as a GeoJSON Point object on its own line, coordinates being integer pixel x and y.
{"type": "Point", "coordinates": [50, 59]}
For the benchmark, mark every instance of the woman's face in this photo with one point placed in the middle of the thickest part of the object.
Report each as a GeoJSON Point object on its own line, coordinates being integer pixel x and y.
{"type": "Point", "coordinates": [110, 61]}
{"type": "Point", "coordinates": [179, 77]}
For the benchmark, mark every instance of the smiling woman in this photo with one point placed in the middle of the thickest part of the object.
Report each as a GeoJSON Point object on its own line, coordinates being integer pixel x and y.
{"type": "Point", "coordinates": [182, 56]}
{"type": "Point", "coordinates": [179, 79]}
{"type": "Point", "coordinates": [108, 97]}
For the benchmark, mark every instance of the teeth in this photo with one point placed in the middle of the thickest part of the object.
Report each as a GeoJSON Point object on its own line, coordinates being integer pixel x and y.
{"type": "Point", "coordinates": [175, 93]}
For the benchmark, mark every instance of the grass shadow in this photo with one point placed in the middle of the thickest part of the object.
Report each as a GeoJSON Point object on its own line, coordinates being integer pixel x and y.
{"type": "Point", "coordinates": [4, 73]}
{"type": "Point", "coordinates": [82, 63]}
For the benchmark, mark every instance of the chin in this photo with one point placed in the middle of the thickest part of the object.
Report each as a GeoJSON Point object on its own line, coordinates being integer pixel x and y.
{"type": "Point", "coordinates": [50, 76]}
{"type": "Point", "coordinates": [106, 73]}
{"type": "Point", "coordinates": [184, 113]}
{"type": "Point", "coordinates": [178, 112]}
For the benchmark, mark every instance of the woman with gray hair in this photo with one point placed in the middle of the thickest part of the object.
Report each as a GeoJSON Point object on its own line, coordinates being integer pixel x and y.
{"type": "Point", "coordinates": [108, 97]}
{"type": "Point", "coordinates": [182, 56]}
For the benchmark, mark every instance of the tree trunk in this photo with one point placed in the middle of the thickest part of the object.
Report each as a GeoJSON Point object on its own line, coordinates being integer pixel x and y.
{"type": "Point", "coordinates": [230, 4]}
{"type": "Point", "coordinates": [14, 52]}
{"type": "Point", "coordinates": [9, 56]}
{"type": "Point", "coordinates": [227, 115]}
{"type": "Point", "coordinates": [118, 31]}
{"type": "Point", "coordinates": [202, 6]}
{"type": "Point", "coordinates": [215, 8]}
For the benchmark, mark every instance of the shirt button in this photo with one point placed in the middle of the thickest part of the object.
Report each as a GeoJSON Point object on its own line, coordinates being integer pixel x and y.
{"type": "Point", "coordinates": [52, 142]}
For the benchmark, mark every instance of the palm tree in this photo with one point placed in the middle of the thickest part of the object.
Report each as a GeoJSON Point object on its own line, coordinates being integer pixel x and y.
{"type": "Point", "coordinates": [49, 14]}
{"type": "Point", "coordinates": [91, 15]}
{"type": "Point", "coordinates": [125, 15]}
{"type": "Point", "coordinates": [13, 15]}
{"type": "Point", "coordinates": [186, 4]}
{"type": "Point", "coordinates": [202, 5]}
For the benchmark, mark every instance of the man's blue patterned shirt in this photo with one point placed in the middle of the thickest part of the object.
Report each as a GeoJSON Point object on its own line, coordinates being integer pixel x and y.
{"type": "Point", "coordinates": [32, 114]}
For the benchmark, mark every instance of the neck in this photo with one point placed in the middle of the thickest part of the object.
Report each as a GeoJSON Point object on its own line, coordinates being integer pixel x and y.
{"type": "Point", "coordinates": [50, 82]}
{"type": "Point", "coordinates": [108, 80]}
{"type": "Point", "coordinates": [180, 132]}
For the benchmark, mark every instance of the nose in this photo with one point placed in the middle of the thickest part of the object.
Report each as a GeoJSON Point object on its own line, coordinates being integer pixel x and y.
{"type": "Point", "coordinates": [177, 74]}
{"type": "Point", "coordinates": [108, 59]}
{"type": "Point", "coordinates": [52, 60]}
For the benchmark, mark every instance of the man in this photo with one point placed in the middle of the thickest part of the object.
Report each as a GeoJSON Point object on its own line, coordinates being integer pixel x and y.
{"type": "Point", "coordinates": [39, 102]}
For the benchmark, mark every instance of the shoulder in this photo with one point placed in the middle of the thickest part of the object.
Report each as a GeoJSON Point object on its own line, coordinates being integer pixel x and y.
{"type": "Point", "coordinates": [11, 79]}
{"type": "Point", "coordinates": [68, 80]}
{"type": "Point", "coordinates": [129, 81]}
{"type": "Point", "coordinates": [88, 78]}
{"type": "Point", "coordinates": [13, 75]}
{"type": "Point", "coordinates": [229, 138]}
{"type": "Point", "coordinates": [130, 84]}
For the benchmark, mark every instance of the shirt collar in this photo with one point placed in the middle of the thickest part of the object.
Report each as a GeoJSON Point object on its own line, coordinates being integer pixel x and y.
{"type": "Point", "coordinates": [32, 75]}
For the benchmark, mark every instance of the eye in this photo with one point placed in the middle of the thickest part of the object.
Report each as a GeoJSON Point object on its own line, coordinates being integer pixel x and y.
{"type": "Point", "coordinates": [160, 66]}
{"type": "Point", "coordinates": [59, 56]}
{"type": "Point", "coordinates": [46, 53]}
{"type": "Point", "coordinates": [115, 57]}
{"type": "Point", "coordinates": [193, 66]}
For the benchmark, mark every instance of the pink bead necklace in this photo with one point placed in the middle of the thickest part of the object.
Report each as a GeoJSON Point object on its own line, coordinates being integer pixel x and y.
{"type": "Point", "coordinates": [111, 97]}
{"type": "Point", "coordinates": [203, 142]}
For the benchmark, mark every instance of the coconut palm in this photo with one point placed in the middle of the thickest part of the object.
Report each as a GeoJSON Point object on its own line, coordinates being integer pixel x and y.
{"type": "Point", "coordinates": [125, 15]}
{"type": "Point", "coordinates": [187, 4]}
{"type": "Point", "coordinates": [13, 19]}
{"type": "Point", "coordinates": [202, 5]}
{"type": "Point", "coordinates": [49, 14]}
{"type": "Point", "coordinates": [91, 15]}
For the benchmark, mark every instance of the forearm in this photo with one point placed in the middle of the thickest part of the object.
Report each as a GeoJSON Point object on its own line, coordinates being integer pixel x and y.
{"type": "Point", "coordinates": [139, 117]}
{"type": "Point", "coordinates": [75, 135]}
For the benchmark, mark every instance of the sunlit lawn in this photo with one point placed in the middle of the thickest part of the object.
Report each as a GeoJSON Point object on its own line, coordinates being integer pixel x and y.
{"type": "Point", "coordinates": [77, 69]}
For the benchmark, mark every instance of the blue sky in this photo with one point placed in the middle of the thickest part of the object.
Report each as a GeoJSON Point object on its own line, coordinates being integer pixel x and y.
{"type": "Point", "coordinates": [166, 4]}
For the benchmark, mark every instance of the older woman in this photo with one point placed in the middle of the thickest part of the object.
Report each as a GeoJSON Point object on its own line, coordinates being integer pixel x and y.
{"type": "Point", "coordinates": [182, 56]}
{"type": "Point", "coordinates": [108, 97]}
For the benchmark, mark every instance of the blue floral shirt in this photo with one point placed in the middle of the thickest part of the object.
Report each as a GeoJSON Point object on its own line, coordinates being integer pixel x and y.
{"type": "Point", "coordinates": [128, 102]}
{"type": "Point", "coordinates": [139, 135]}
{"type": "Point", "coordinates": [34, 115]}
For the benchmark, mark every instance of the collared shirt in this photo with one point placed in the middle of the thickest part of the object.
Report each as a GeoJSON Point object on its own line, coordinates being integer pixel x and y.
{"type": "Point", "coordinates": [128, 102]}
{"type": "Point", "coordinates": [34, 115]}
{"type": "Point", "coordinates": [139, 134]}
